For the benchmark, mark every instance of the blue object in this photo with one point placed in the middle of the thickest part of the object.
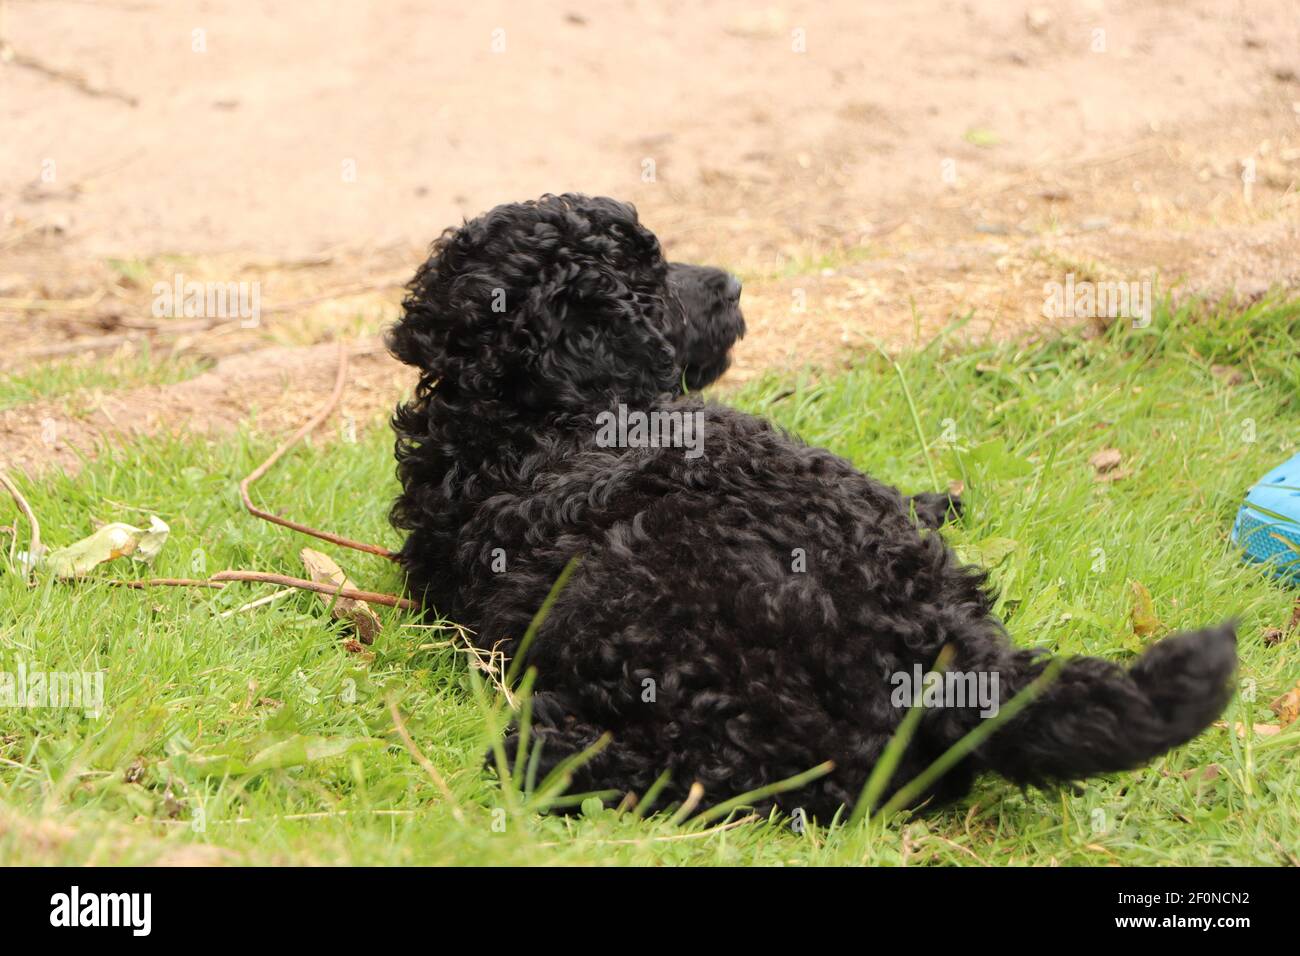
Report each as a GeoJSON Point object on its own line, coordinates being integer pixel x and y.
{"type": "Point", "coordinates": [1268, 524]}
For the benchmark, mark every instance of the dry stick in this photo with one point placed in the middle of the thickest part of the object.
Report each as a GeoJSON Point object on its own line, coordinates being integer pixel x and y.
{"type": "Point", "coordinates": [264, 577]}
{"type": "Point", "coordinates": [486, 664]}
{"type": "Point", "coordinates": [34, 545]}
{"type": "Point", "coordinates": [78, 82]}
{"type": "Point", "coordinates": [167, 583]}
{"type": "Point", "coordinates": [219, 580]}
{"type": "Point", "coordinates": [317, 815]}
{"type": "Point", "coordinates": [424, 762]}
{"type": "Point", "coordinates": [308, 426]}
{"type": "Point", "coordinates": [222, 578]}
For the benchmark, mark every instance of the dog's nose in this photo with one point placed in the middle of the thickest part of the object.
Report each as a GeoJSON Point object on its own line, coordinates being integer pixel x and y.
{"type": "Point", "coordinates": [733, 288]}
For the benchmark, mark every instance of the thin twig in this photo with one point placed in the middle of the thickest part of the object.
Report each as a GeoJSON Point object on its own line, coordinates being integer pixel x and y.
{"type": "Point", "coordinates": [308, 426]}
{"type": "Point", "coordinates": [167, 583]}
{"type": "Point", "coordinates": [78, 82]}
{"type": "Point", "coordinates": [222, 578]}
{"type": "Point", "coordinates": [487, 664]}
{"type": "Point", "coordinates": [957, 846]}
{"type": "Point", "coordinates": [1287, 854]}
{"type": "Point", "coordinates": [34, 544]}
{"type": "Point", "coordinates": [19, 766]}
{"type": "Point", "coordinates": [316, 815]}
{"type": "Point", "coordinates": [423, 761]}
{"type": "Point", "coordinates": [265, 577]}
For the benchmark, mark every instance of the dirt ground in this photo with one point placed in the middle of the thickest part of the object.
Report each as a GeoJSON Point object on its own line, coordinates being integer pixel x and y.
{"type": "Point", "coordinates": [872, 171]}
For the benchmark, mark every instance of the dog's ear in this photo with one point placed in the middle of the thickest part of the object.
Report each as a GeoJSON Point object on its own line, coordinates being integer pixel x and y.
{"type": "Point", "coordinates": [539, 311]}
{"type": "Point", "coordinates": [597, 334]}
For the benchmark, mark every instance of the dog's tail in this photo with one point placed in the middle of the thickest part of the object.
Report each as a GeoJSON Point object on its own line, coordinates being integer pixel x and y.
{"type": "Point", "coordinates": [1095, 717]}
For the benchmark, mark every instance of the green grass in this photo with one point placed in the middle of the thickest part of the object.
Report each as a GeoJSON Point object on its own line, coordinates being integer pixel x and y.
{"type": "Point", "coordinates": [71, 378]}
{"type": "Point", "coordinates": [264, 726]}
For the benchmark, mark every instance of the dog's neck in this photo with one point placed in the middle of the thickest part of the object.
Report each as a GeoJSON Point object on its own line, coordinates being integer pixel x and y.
{"type": "Point", "coordinates": [480, 452]}
{"type": "Point", "coordinates": [492, 448]}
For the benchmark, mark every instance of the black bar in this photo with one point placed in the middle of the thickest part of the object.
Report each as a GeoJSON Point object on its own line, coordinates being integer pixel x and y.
{"type": "Point", "coordinates": [335, 905]}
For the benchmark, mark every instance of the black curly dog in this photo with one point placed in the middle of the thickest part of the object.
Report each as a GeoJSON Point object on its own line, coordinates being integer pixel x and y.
{"type": "Point", "coordinates": [691, 631]}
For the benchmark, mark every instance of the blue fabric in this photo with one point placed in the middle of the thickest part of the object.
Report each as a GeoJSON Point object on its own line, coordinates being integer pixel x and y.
{"type": "Point", "coordinates": [1268, 524]}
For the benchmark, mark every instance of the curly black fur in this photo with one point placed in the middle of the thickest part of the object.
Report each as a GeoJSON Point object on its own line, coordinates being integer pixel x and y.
{"type": "Point", "coordinates": [528, 322]}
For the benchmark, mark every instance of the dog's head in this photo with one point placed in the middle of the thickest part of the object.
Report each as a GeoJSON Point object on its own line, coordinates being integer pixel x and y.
{"type": "Point", "coordinates": [548, 309]}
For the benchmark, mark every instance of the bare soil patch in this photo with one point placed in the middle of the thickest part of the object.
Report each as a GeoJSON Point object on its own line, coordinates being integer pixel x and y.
{"type": "Point", "coordinates": [274, 389]}
{"type": "Point", "coordinates": [873, 174]}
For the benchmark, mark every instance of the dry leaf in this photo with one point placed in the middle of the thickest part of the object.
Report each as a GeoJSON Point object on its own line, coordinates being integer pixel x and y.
{"type": "Point", "coordinates": [1262, 730]}
{"type": "Point", "coordinates": [1145, 622]}
{"type": "Point", "coordinates": [109, 542]}
{"type": "Point", "coordinates": [322, 569]}
{"type": "Point", "coordinates": [1287, 707]}
{"type": "Point", "coordinates": [1105, 465]}
{"type": "Point", "coordinates": [152, 541]}
{"type": "Point", "coordinates": [1107, 459]}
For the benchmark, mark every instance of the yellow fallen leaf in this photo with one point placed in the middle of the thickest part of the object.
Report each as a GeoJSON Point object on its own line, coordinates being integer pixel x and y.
{"type": "Point", "coordinates": [1143, 614]}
